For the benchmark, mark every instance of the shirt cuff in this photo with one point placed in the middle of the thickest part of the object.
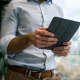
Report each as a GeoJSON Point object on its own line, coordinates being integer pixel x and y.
{"type": "Point", "coordinates": [4, 44]}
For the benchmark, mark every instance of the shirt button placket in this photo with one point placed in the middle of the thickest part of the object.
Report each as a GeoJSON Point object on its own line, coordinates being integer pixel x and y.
{"type": "Point", "coordinates": [42, 13]}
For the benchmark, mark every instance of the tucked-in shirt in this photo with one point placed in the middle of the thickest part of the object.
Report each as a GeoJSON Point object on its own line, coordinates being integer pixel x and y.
{"type": "Point", "coordinates": [23, 17]}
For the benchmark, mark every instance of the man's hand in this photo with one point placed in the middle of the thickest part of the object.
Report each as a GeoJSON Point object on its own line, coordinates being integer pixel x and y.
{"type": "Point", "coordinates": [42, 38]}
{"type": "Point", "coordinates": [62, 50]}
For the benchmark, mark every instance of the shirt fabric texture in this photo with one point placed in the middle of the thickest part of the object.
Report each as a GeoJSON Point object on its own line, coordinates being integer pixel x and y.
{"type": "Point", "coordinates": [23, 17]}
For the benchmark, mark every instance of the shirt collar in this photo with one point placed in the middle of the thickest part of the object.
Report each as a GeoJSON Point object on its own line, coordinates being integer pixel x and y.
{"type": "Point", "coordinates": [49, 1]}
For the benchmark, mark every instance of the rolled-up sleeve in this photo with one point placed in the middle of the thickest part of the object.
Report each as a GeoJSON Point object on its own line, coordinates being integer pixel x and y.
{"type": "Point", "coordinates": [9, 26]}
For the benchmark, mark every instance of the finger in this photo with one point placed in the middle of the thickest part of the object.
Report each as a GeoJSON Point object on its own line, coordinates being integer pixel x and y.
{"type": "Point", "coordinates": [43, 28]}
{"type": "Point", "coordinates": [38, 37]}
{"type": "Point", "coordinates": [45, 43]}
{"type": "Point", "coordinates": [56, 52]}
{"type": "Point", "coordinates": [67, 43]}
{"type": "Point", "coordinates": [40, 46]}
{"type": "Point", "coordinates": [62, 53]}
{"type": "Point", "coordinates": [44, 33]}
{"type": "Point", "coordinates": [66, 53]}
{"type": "Point", "coordinates": [62, 48]}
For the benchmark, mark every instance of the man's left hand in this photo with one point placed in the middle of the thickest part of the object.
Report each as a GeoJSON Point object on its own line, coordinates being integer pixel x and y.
{"type": "Point", "coordinates": [63, 50]}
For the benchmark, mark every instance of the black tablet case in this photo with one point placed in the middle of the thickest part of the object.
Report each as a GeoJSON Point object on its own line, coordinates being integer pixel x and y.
{"type": "Point", "coordinates": [63, 29]}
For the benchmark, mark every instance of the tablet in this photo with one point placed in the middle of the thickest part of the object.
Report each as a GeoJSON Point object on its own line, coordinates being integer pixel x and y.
{"type": "Point", "coordinates": [64, 29]}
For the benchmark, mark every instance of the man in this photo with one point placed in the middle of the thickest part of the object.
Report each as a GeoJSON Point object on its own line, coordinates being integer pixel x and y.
{"type": "Point", "coordinates": [24, 32]}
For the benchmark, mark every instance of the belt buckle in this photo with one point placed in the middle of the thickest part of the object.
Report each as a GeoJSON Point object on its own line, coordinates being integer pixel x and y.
{"type": "Point", "coordinates": [34, 71]}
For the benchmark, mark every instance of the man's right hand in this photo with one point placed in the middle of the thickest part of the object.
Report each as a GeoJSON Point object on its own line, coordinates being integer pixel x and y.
{"type": "Point", "coordinates": [42, 38]}
{"type": "Point", "coordinates": [38, 38]}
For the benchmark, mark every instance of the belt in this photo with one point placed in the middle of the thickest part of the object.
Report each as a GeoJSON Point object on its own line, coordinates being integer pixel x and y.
{"type": "Point", "coordinates": [30, 72]}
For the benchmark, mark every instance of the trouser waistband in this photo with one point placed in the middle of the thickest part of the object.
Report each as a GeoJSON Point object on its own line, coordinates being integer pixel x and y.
{"type": "Point", "coordinates": [31, 72]}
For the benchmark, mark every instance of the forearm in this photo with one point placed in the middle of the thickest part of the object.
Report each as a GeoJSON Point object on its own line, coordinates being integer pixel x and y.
{"type": "Point", "coordinates": [19, 43]}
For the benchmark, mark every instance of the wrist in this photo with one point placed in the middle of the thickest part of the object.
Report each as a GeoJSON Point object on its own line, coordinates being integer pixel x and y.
{"type": "Point", "coordinates": [29, 38]}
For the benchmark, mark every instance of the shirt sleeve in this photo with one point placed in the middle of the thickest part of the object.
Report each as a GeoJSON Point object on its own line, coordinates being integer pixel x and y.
{"type": "Point", "coordinates": [9, 27]}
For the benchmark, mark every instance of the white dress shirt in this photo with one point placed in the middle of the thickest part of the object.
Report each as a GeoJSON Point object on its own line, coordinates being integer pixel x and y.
{"type": "Point", "coordinates": [23, 17]}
